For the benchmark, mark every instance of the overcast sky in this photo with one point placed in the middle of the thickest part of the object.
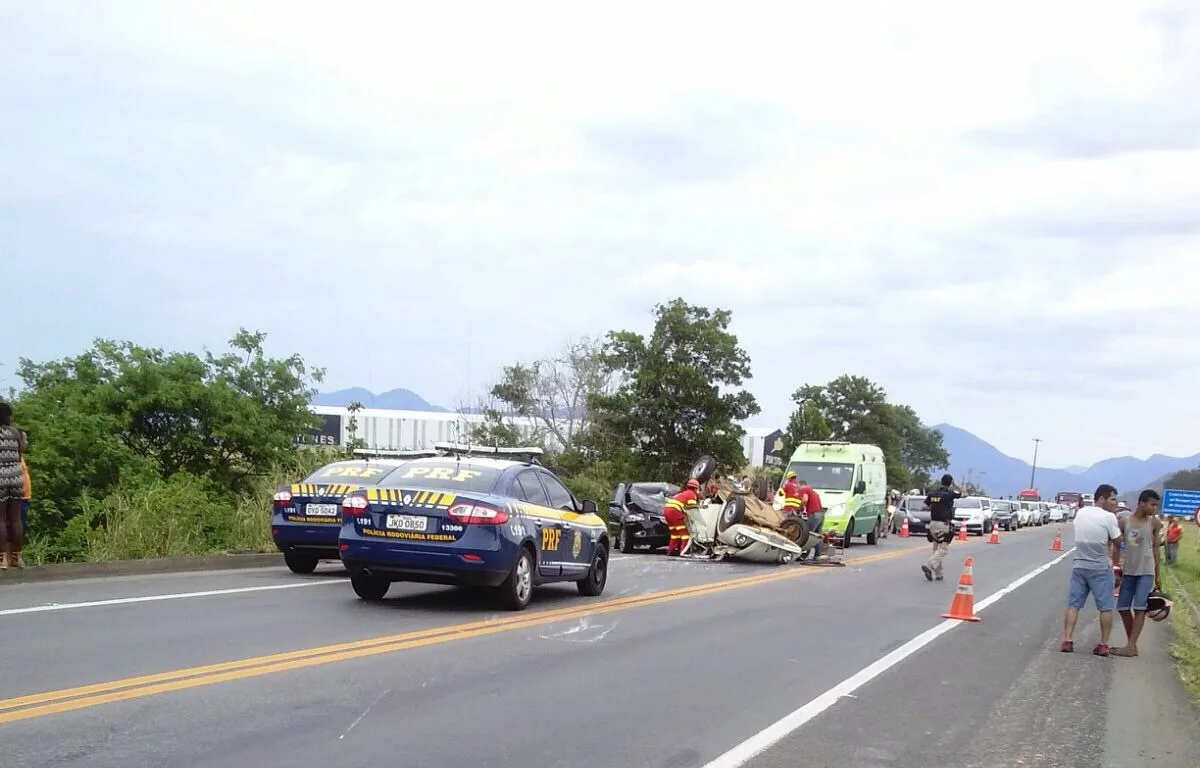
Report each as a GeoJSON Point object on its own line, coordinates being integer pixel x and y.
{"type": "Point", "coordinates": [993, 209]}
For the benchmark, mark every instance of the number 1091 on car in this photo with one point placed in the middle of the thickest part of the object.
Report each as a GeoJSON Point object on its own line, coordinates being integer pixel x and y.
{"type": "Point", "coordinates": [406, 522]}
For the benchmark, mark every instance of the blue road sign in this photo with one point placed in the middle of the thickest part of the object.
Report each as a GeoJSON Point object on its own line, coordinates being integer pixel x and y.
{"type": "Point", "coordinates": [1176, 502]}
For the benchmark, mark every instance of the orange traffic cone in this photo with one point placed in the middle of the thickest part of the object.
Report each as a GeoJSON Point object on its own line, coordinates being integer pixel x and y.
{"type": "Point", "coordinates": [962, 531]}
{"type": "Point", "coordinates": [904, 534]}
{"type": "Point", "coordinates": [995, 537]}
{"type": "Point", "coordinates": [1056, 545]}
{"type": "Point", "coordinates": [963, 605]}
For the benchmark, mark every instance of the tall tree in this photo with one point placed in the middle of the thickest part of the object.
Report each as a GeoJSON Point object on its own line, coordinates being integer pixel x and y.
{"type": "Point", "coordinates": [552, 393]}
{"type": "Point", "coordinates": [857, 410]}
{"type": "Point", "coordinates": [806, 423]}
{"type": "Point", "coordinates": [679, 394]}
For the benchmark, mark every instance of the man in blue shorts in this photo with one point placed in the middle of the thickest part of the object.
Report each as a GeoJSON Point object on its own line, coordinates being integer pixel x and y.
{"type": "Point", "coordinates": [1097, 536]}
{"type": "Point", "coordinates": [1139, 567]}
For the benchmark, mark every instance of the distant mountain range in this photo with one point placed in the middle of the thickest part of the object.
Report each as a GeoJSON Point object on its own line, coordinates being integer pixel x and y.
{"type": "Point", "coordinates": [393, 400]}
{"type": "Point", "coordinates": [1003, 475]}
{"type": "Point", "coordinates": [971, 458]}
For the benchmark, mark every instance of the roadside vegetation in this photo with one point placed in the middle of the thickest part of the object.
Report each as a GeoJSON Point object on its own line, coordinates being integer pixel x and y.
{"type": "Point", "coordinates": [1185, 615]}
{"type": "Point", "coordinates": [138, 452]}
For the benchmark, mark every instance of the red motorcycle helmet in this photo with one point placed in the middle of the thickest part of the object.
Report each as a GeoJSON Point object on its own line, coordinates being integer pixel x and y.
{"type": "Point", "coordinates": [1158, 605]}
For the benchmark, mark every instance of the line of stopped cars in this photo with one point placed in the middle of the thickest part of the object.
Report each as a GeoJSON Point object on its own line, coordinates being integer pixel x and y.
{"type": "Point", "coordinates": [982, 514]}
{"type": "Point", "coordinates": [459, 515]}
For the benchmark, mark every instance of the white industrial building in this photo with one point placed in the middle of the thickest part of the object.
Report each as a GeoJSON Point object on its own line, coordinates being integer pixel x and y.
{"type": "Point", "coordinates": [419, 430]}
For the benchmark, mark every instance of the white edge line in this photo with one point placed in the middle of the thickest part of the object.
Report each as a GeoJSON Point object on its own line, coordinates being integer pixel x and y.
{"type": "Point", "coordinates": [155, 598]}
{"type": "Point", "coordinates": [778, 731]}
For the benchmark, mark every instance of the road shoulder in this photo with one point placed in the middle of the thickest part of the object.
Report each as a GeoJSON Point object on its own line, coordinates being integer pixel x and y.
{"type": "Point", "coordinates": [1147, 696]}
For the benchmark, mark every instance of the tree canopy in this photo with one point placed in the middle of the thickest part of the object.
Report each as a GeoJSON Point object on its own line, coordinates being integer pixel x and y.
{"type": "Point", "coordinates": [856, 410]}
{"type": "Point", "coordinates": [121, 415]}
{"type": "Point", "coordinates": [678, 394]}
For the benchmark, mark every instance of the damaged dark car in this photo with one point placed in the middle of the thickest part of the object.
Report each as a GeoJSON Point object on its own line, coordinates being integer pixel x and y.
{"type": "Point", "coordinates": [636, 515]}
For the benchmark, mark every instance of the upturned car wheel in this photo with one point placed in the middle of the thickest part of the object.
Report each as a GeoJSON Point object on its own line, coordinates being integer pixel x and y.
{"type": "Point", "coordinates": [703, 469]}
{"type": "Point", "coordinates": [732, 513]}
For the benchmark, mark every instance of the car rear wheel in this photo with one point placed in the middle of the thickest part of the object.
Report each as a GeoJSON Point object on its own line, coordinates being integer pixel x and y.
{"type": "Point", "coordinates": [369, 587]}
{"type": "Point", "coordinates": [300, 562]}
{"type": "Point", "coordinates": [517, 589]}
{"type": "Point", "coordinates": [592, 585]}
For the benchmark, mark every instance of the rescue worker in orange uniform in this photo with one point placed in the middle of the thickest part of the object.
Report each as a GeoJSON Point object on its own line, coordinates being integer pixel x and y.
{"type": "Point", "coordinates": [674, 512]}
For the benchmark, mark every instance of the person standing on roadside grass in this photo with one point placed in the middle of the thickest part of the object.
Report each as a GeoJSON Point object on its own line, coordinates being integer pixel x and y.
{"type": "Point", "coordinates": [12, 489]}
{"type": "Point", "coordinates": [1097, 535]}
{"type": "Point", "coordinates": [1174, 535]}
{"type": "Point", "coordinates": [1139, 568]}
{"type": "Point", "coordinates": [941, 529]}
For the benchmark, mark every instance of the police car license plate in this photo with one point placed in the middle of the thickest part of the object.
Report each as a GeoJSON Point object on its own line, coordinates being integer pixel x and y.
{"type": "Point", "coordinates": [322, 510]}
{"type": "Point", "coordinates": [406, 522]}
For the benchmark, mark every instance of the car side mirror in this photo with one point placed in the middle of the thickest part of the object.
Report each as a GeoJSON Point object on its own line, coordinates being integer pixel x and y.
{"type": "Point", "coordinates": [861, 487]}
{"type": "Point", "coordinates": [588, 506]}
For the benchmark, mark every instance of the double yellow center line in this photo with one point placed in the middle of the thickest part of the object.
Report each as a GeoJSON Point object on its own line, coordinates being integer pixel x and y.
{"type": "Point", "coordinates": [70, 699]}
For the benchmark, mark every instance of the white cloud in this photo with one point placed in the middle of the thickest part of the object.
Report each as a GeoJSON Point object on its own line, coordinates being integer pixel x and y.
{"type": "Point", "coordinates": [393, 188]}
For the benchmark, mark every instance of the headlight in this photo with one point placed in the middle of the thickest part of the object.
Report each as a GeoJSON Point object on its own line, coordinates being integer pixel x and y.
{"type": "Point", "coordinates": [836, 510]}
{"type": "Point", "coordinates": [634, 517]}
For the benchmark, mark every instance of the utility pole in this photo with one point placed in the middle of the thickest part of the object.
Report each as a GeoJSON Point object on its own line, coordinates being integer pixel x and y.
{"type": "Point", "coordinates": [1033, 470]}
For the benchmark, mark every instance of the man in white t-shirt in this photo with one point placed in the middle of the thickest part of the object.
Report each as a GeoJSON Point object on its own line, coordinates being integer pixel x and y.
{"type": "Point", "coordinates": [1097, 536]}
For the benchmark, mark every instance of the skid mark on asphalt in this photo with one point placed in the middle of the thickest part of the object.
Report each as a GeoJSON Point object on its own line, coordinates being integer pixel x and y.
{"type": "Point", "coordinates": [581, 631]}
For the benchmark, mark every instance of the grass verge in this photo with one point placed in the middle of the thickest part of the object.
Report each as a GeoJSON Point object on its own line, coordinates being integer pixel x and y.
{"type": "Point", "coordinates": [1183, 582]}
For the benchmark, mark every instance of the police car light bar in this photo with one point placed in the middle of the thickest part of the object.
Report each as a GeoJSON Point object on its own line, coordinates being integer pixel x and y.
{"type": "Point", "coordinates": [383, 453]}
{"type": "Point", "coordinates": [487, 450]}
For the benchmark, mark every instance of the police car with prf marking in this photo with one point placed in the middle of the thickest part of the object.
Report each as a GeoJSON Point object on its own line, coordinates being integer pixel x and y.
{"type": "Point", "coordinates": [473, 517]}
{"type": "Point", "coordinates": [307, 516]}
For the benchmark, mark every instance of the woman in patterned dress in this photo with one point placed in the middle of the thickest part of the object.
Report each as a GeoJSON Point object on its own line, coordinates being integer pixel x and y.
{"type": "Point", "coordinates": [12, 490]}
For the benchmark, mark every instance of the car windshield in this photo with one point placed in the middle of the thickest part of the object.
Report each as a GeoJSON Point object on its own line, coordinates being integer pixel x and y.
{"type": "Point", "coordinates": [824, 477]}
{"type": "Point", "coordinates": [914, 503]}
{"type": "Point", "coordinates": [1027, 505]}
{"type": "Point", "coordinates": [445, 474]}
{"type": "Point", "coordinates": [966, 504]}
{"type": "Point", "coordinates": [356, 472]}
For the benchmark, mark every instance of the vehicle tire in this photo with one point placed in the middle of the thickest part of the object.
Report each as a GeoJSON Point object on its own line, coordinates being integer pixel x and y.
{"type": "Point", "coordinates": [703, 469]}
{"type": "Point", "coordinates": [517, 589]}
{"type": "Point", "coordinates": [732, 513]}
{"type": "Point", "coordinates": [848, 535]}
{"type": "Point", "coordinates": [369, 587]}
{"type": "Point", "coordinates": [624, 542]}
{"type": "Point", "coordinates": [592, 585]}
{"type": "Point", "coordinates": [762, 489]}
{"type": "Point", "coordinates": [300, 562]}
{"type": "Point", "coordinates": [794, 528]}
{"type": "Point", "coordinates": [873, 536]}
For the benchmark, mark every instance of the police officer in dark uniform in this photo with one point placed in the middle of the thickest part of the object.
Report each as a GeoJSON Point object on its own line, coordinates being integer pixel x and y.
{"type": "Point", "coordinates": [940, 503]}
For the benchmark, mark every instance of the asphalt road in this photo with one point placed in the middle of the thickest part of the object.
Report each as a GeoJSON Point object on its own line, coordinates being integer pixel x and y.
{"type": "Point", "coordinates": [679, 664]}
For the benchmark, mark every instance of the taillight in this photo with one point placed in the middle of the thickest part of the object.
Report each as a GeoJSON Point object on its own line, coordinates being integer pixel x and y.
{"type": "Point", "coordinates": [477, 514]}
{"type": "Point", "coordinates": [353, 506]}
{"type": "Point", "coordinates": [283, 499]}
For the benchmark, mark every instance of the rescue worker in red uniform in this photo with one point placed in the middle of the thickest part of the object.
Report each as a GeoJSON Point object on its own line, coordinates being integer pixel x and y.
{"type": "Point", "coordinates": [674, 512]}
{"type": "Point", "coordinates": [793, 502]}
